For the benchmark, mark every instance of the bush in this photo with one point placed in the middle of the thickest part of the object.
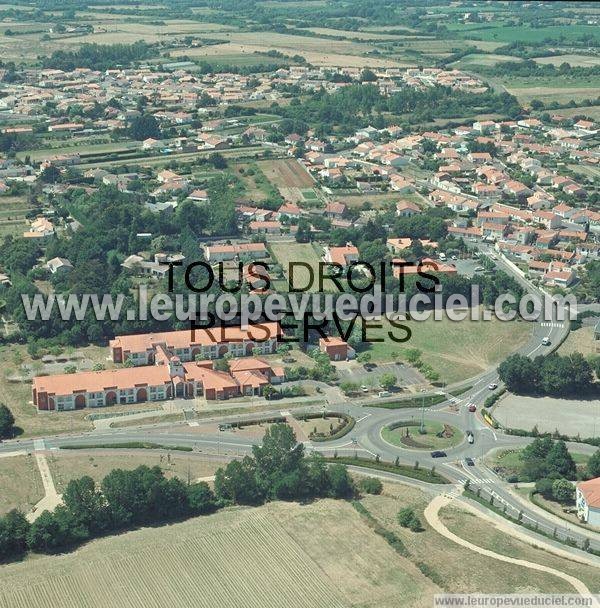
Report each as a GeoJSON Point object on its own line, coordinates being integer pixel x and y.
{"type": "Point", "coordinates": [370, 485]}
{"type": "Point", "coordinates": [407, 518]}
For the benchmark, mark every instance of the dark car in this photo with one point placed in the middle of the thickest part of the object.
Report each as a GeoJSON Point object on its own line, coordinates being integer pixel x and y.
{"type": "Point", "coordinates": [370, 366]}
{"type": "Point", "coordinates": [438, 454]}
{"type": "Point", "coordinates": [469, 462]}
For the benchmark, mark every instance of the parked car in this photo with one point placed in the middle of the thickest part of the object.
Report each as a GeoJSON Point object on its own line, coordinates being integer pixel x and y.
{"type": "Point", "coordinates": [364, 389]}
{"type": "Point", "coordinates": [438, 454]}
{"type": "Point", "coordinates": [370, 366]}
{"type": "Point", "coordinates": [546, 341]}
{"type": "Point", "coordinates": [479, 269]}
{"type": "Point", "coordinates": [384, 394]}
{"type": "Point", "coordinates": [472, 407]}
{"type": "Point", "coordinates": [493, 386]}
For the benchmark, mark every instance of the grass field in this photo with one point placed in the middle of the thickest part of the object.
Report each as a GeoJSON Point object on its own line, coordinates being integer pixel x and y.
{"type": "Point", "coordinates": [552, 88]}
{"type": "Point", "coordinates": [298, 252]}
{"type": "Point", "coordinates": [426, 441]}
{"type": "Point", "coordinates": [573, 60]}
{"type": "Point", "coordinates": [21, 483]}
{"type": "Point", "coordinates": [455, 350]}
{"type": "Point", "coordinates": [457, 569]}
{"type": "Point", "coordinates": [317, 556]}
{"type": "Point", "coordinates": [578, 341]}
{"type": "Point", "coordinates": [508, 462]}
{"type": "Point", "coordinates": [65, 466]}
{"type": "Point", "coordinates": [481, 533]}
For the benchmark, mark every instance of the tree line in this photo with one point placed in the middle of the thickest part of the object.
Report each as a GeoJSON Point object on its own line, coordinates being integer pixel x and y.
{"type": "Point", "coordinates": [547, 375]}
{"type": "Point", "coordinates": [277, 470]}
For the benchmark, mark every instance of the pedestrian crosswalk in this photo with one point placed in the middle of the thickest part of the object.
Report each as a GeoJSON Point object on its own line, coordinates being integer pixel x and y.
{"type": "Point", "coordinates": [552, 324]}
{"type": "Point", "coordinates": [454, 399]}
{"type": "Point", "coordinates": [477, 480]}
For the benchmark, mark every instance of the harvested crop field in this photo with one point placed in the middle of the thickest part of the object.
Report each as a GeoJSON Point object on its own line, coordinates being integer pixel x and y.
{"type": "Point", "coordinates": [317, 556]}
{"type": "Point", "coordinates": [286, 173]}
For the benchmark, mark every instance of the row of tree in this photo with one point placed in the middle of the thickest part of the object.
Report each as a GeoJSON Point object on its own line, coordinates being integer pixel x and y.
{"type": "Point", "coordinates": [550, 375]}
{"type": "Point", "coordinates": [277, 470]}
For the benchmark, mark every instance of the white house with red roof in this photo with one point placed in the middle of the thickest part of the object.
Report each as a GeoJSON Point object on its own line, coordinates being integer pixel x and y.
{"type": "Point", "coordinates": [588, 501]}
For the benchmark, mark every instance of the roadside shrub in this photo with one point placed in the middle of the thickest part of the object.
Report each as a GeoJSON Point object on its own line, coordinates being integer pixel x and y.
{"type": "Point", "coordinates": [370, 485]}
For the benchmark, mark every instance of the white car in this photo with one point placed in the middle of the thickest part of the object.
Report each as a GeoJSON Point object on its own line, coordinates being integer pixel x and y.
{"type": "Point", "coordinates": [546, 341]}
{"type": "Point", "coordinates": [493, 386]}
{"type": "Point", "coordinates": [364, 389]}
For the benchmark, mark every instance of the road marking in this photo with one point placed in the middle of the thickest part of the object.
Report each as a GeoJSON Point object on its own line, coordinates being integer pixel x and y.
{"type": "Point", "coordinates": [193, 423]}
{"type": "Point", "coordinates": [360, 419]}
{"type": "Point", "coordinates": [549, 324]}
{"type": "Point", "coordinates": [284, 413]}
{"type": "Point", "coordinates": [39, 445]}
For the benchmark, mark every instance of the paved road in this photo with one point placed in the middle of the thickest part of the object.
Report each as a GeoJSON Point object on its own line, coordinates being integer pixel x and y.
{"type": "Point", "coordinates": [366, 439]}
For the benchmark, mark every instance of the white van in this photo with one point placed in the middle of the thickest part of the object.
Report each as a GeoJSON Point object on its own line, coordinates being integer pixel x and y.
{"type": "Point", "coordinates": [442, 257]}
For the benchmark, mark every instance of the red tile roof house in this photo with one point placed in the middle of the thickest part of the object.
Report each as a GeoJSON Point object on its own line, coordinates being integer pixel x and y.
{"type": "Point", "coordinates": [336, 349]}
{"type": "Point", "coordinates": [343, 256]}
{"type": "Point", "coordinates": [203, 343]}
{"type": "Point", "coordinates": [407, 209]}
{"type": "Point", "coordinates": [168, 379]}
{"type": "Point", "coordinates": [588, 501]}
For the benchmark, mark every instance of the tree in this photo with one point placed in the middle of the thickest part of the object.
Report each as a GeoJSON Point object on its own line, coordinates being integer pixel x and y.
{"type": "Point", "coordinates": [407, 518]}
{"type": "Point", "coordinates": [236, 483]}
{"type": "Point", "coordinates": [13, 535]}
{"type": "Point", "coordinates": [364, 357]}
{"type": "Point", "coordinates": [519, 374]}
{"type": "Point", "coordinates": [563, 490]}
{"type": "Point", "coordinates": [349, 388]}
{"type": "Point", "coordinates": [593, 465]}
{"type": "Point", "coordinates": [217, 160]}
{"type": "Point", "coordinates": [388, 381]}
{"type": "Point", "coordinates": [86, 504]}
{"type": "Point", "coordinates": [144, 126]}
{"type": "Point", "coordinates": [544, 487]}
{"type": "Point", "coordinates": [7, 421]}
{"type": "Point", "coordinates": [560, 463]}
{"type": "Point", "coordinates": [340, 482]}
{"type": "Point", "coordinates": [201, 499]}
{"type": "Point", "coordinates": [278, 457]}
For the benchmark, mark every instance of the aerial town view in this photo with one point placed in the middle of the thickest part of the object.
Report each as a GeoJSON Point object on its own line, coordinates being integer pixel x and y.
{"type": "Point", "coordinates": [299, 303]}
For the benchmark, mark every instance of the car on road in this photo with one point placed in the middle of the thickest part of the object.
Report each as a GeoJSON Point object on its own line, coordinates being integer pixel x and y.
{"type": "Point", "coordinates": [479, 269]}
{"type": "Point", "coordinates": [493, 386]}
{"type": "Point", "coordinates": [438, 454]}
{"type": "Point", "coordinates": [470, 437]}
{"type": "Point", "coordinates": [546, 341]}
{"type": "Point", "coordinates": [472, 407]}
{"type": "Point", "coordinates": [469, 462]}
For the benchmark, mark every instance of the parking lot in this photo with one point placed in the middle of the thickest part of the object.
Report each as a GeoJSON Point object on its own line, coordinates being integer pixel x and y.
{"type": "Point", "coordinates": [569, 416]}
{"type": "Point", "coordinates": [357, 373]}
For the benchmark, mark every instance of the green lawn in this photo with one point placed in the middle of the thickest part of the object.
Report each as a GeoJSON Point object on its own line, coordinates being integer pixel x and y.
{"type": "Point", "coordinates": [429, 440]}
{"type": "Point", "coordinates": [288, 252]}
{"type": "Point", "coordinates": [456, 350]}
{"type": "Point", "coordinates": [509, 462]}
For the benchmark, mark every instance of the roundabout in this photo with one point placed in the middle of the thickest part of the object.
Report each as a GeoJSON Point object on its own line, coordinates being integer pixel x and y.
{"type": "Point", "coordinates": [432, 435]}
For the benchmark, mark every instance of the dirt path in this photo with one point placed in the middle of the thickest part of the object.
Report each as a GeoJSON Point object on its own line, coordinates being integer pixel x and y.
{"type": "Point", "coordinates": [432, 516]}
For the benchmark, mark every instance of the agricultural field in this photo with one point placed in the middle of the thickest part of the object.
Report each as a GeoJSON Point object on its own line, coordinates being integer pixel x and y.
{"type": "Point", "coordinates": [66, 465]}
{"type": "Point", "coordinates": [288, 176]}
{"type": "Point", "coordinates": [13, 211]}
{"type": "Point", "coordinates": [561, 89]}
{"type": "Point", "coordinates": [288, 252]}
{"type": "Point", "coordinates": [585, 61]}
{"type": "Point", "coordinates": [455, 350]}
{"type": "Point", "coordinates": [21, 483]}
{"type": "Point", "coordinates": [281, 554]}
